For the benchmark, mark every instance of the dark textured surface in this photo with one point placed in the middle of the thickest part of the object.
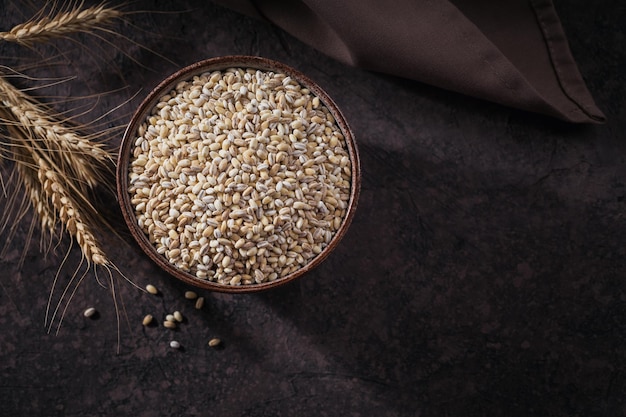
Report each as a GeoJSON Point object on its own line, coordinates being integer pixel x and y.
{"type": "Point", "coordinates": [483, 274]}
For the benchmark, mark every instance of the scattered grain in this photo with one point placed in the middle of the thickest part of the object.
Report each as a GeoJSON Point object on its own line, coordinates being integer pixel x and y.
{"type": "Point", "coordinates": [152, 289]}
{"type": "Point", "coordinates": [174, 344]}
{"type": "Point", "coordinates": [169, 324]}
{"type": "Point", "coordinates": [178, 316]}
{"type": "Point", "coordinates": [215, 342]}
{"type": "Point", "coordinates": [90, 312]}
{"type": "Point", "coordinates": [199, 303]}
{"type": "Point", "coordinates": [191, 295]}
{"type": "Point", "coordinates": [147, 320]}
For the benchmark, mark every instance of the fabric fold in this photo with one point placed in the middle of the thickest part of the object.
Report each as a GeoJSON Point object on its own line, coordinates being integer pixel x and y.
{"type": "Point", "coordinates": [513, 53]}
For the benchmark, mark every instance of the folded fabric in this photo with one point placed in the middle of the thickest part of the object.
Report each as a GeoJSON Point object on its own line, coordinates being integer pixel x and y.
{"type": "Point", "coordinates": [512, 52]}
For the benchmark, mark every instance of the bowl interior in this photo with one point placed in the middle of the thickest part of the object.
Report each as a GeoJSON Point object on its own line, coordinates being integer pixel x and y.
{"type": "Point", "coordinates": [214, 64]}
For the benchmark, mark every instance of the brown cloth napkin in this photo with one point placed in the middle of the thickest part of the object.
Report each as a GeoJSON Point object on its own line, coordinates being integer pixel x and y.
{"type": "Point", "coordinates": [511, 52]}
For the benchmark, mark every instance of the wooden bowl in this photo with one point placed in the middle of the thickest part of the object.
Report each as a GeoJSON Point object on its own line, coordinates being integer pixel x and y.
{"type": "Point", "coordinates": [187, 73]}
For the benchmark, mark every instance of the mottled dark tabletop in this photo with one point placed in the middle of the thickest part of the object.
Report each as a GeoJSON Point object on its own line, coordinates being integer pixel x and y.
{"type": "Point", "coordinates": [483, 275]}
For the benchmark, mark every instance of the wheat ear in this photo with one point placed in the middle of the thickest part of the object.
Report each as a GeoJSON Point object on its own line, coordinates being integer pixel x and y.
{"type": "Point", "coordinates": [69, 213]}
{"type": "Point", "coordinates": [75, 20]}
{"type": "Point", "coordinates": [44, 211]}
{"type": "Point", "coordinates": [45, 149]}
{"type": "Point", "coordinates": [81, 156]}
{"type": "Point", "coordinates": [48, 192]}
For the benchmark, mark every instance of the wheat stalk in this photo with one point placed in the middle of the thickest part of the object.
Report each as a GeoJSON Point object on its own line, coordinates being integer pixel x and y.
{"type": "Point", "coordinates": [62, 24]}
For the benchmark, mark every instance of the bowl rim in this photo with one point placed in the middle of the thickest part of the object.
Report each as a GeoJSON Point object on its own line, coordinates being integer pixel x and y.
{"type": "Point", "coordinates": [168, 84]}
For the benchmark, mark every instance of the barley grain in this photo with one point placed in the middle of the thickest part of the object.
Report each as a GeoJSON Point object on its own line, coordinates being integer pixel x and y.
{"type": "Point", "coordinates": [254, 207]}
{"type": "Point", "coordinates": [178, 316]}
{"type": "Point", "coordinates": [191, 295]}
{"type": "Point", "coordinates": [147, 320]}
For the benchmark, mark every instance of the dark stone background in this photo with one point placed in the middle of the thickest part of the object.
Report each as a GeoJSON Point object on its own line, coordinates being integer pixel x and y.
{"type": "Point", "coordinates": [483, 274]}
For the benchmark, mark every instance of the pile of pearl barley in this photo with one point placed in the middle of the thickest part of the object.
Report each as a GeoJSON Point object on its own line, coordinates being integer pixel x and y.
{"type": "Point", "coordinates": [240, 176]}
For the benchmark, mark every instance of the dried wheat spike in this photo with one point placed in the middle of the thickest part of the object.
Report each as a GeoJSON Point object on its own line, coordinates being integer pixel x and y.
{"type": "Point", "coordinates": [80, 156]}
{"type": "Point", "coordinates": [69, 215]}
{"type": "Point", "coordinates": [40, 204]}
{"type": "Point", "coordinates": [75, 20]}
